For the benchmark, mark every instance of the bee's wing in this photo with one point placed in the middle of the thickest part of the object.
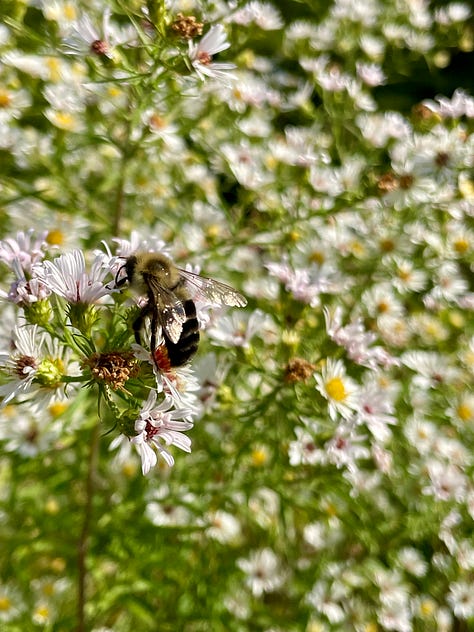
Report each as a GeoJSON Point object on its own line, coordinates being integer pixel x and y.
{"type": "Point", "coordinates": [169, 309]}
{"type": "Point", "coordinates": [212, 290]}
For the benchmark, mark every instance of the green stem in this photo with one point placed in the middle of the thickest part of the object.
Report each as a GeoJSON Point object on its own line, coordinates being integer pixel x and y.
{"type": "Point", "coordinates": [83, 544]}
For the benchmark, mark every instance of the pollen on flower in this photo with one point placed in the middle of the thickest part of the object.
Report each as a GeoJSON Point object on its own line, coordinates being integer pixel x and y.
{"type": "Point", "coordinates": [5, 603]}
{"type": "Point", "coordinates": [113, 368]}
{"type": "Point", "coordinates": [161, 359]}
{"type": "Point", "coordinates": [187, 26]}
{"type": "Point", "coordinates": [335, 389]}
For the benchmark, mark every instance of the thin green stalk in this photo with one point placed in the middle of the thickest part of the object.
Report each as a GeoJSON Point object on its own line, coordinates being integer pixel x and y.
{"type": "Point", "coordinates": [83, 543]}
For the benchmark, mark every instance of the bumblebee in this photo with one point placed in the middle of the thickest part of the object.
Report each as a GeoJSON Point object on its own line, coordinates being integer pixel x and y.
{"type": "Point", "coordinates": [170, 305]}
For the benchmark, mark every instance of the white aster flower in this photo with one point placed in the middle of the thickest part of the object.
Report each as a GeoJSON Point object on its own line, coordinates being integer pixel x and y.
{"type": "Point", "coordinates": [340, 390]}
{"type": "Point", "coordinates": [411, 560]}
{"type": "Point", "coordinates": [86, 37]}
{"type": "Point", "coordinates": [461, 599]}
{"type": "Point", "coordinates": [24, 291]}
{"type": "Point", "coordinates": [67, 276]}
{"type": "Point", "coordinates": [238, 329]}
{"type": "Point", "coordinates": [162, 510]}
{"type": "Point", "coordinates": [357, 341]}
{"type": "Point", "coordinates": [11, 602]}
{"type": "Point", "coordinates": [376, 410]}
{"type": "Point", "coordinates": [27, 249]}
{"type": "Point", "coordinates": [324, 602]}
{"type": "Point", "coordinates": [35, 366]}
{"type": "Point", "coordinates": [263, 14]}
{"type": "Point", "coordinates": [200, 55]}
{"type": "Point", "coordinates": [224, 527]}
{"type": "Point", "coordinates": [263, 572]}
{"type": "Point", "coordinates": [453, 12]}
{"type": "Point", "coordinates": [305, 284]}
{"type": "Point", "coordinates": [447, 481]}
{"type": "Point", "coordinates": [158, 427]}
{"type": "Point", "coordinates": [25, 432]}
{"type": "Point", "coordinates": [22, 363]}
{"type": "Point", "coordinates": [345, 448]}
{"type": "Point", "coordinates": [371, 74]}
{"type": "Point", "coordinates": [303, 451]}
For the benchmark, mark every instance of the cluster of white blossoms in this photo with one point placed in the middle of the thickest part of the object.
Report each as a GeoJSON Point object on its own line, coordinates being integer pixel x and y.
{"type": "Point", "coordinates": [62, 300]}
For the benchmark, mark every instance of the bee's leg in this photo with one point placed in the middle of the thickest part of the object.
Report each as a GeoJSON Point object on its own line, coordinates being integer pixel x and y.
{"type": "Point", "coordinates": [138, 323]}
{"type": "Point", "coordinates": [154, 327]}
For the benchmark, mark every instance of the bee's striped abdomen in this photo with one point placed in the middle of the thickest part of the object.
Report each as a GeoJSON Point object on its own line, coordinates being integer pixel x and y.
{"type": "Point", "coordinates": [182, 351]}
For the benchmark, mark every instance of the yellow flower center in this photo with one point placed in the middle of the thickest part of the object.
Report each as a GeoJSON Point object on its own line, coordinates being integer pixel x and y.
{"type": "Point", "coordinates": [70, 12]}
{"type": "Point", "coordinates": [55, 237]}
{"type": "Point", "coordinates": [335, 389]}
{"type": "Point", "coordinates": [54, 68]}
{"type": "Point", "coordinates": [213, 231]}
{"type": "Point", "coordinates": [461, 245]}
{"type": "Point", "coordinates": [404, 275]}
{"type": "Point", "coordinates": [382, 307]}
{"type": "Point", "coordinates": [42, 612]}
{"type": "Point", "coordinates": [387, 245]}
{"type": "Point", "coordinates": [48, 589]}
{"type": "Point", "coordinates": [259, 457]}
{"type": "Point", "coordinates": [58, 565]}
{"type": "Point", "coordinates": [5, 603]}
{"type": "Point", "coordinates": [5, 99]}
{"type": "Point", "coordinates": [57, 408]}
{"type": "Point", "coordinates": [426, 608]}
{"type": "Point", "coordinates": [465, 412]}
{"type": "Point", "coordinates": [65, 120]}
{"type": "Point", "coordinates": [317, 257]}
{"type": "Point", "coordinates": [52, 507]}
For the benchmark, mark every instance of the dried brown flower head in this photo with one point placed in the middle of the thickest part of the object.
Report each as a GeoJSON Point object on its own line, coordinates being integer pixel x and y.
{"type": "Point", "coordinates": [186, 26]}
{"type": "Point", "coordinates": [113, 368]}
{"type": "Point", "coordinates": [298, 370]}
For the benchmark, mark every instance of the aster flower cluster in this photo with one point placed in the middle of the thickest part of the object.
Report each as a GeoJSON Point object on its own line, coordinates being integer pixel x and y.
{"type": "Point", "coordinates": [69, 335]}
{"type": "Point", "coordinates": [319, 158]}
